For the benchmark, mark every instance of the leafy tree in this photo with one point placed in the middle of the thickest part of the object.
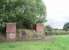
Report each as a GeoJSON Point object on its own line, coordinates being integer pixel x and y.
{"type": "Point", "coordinates": [23, 12]}
{"type": "Point", "coordinates": [66, 27]}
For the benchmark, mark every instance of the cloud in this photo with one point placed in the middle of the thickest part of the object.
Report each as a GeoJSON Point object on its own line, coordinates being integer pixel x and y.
{"type": "Point", "coordinates": [57, 12]}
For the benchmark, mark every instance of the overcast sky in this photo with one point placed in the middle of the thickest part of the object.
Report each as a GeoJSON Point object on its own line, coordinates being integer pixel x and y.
{"type": "Point", "coordinates": [57, 12]}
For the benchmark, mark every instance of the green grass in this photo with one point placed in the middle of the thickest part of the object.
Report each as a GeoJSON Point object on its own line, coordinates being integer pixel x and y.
{"type": "Point", "coordinates": [59, 43]}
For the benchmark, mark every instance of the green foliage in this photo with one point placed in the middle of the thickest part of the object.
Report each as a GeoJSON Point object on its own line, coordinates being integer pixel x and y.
{"type": "Point", "coordinates": [23, 12]}
{"type": "Point", "coordinates": [66, 27]}
{"type": "Point", "coordinates": [51, 43]}
{"type": "Point", "coordinates": [48, 28]}
{"type": "Point", "coordinates": [57, 33]}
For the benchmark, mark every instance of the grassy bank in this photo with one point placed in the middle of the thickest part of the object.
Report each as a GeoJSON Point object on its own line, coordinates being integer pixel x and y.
{"type": "Point", "coordinates": [59, 43]}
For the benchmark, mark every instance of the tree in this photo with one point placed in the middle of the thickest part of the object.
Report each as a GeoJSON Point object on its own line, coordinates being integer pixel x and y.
{"type": "Point", "coordinates": [23, 12]}
{"type": "Point", "coordinates": [66, 27]}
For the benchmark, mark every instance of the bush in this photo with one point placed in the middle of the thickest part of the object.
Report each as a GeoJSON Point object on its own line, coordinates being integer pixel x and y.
{"type": "Point", "coordinates": [57, 33]}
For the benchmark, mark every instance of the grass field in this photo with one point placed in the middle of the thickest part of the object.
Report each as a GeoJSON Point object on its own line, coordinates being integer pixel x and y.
{"type": "Point", "coordinates": [56, 43]}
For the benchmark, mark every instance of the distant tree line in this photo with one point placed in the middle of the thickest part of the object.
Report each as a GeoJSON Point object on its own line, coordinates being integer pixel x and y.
{"type": "Point", "coordinates": [66, 27]}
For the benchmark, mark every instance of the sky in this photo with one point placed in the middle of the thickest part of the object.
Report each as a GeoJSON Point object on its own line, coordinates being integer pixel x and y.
{"type": "Point", "coordinates": [57, 12]}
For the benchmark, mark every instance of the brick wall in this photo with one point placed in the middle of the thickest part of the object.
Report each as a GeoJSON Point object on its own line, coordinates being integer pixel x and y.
{"type": "Point", "coordinates": [39, 27]}
{"type": "Point", "coordinates": [11, 31]}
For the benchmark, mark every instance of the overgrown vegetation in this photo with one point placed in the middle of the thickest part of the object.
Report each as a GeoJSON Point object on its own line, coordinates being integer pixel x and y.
{"type": "Point", "coordinates": [57, 33]}
{"type": "Point", "coordinates": [23, 12]}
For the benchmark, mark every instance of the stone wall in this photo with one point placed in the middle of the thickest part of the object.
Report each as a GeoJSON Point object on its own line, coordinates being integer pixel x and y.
{"type": "Point", "coordinates": [25, 34]}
